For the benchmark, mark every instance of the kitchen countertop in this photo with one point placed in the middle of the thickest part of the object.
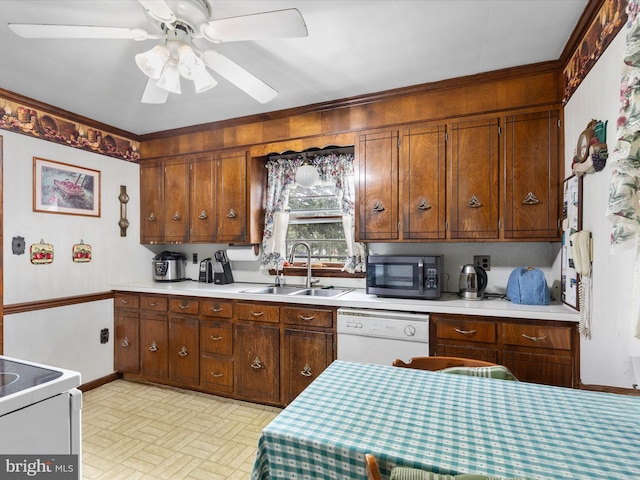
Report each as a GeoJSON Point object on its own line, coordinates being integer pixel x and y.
{"type": "Point", "coordinates": [357, 298]}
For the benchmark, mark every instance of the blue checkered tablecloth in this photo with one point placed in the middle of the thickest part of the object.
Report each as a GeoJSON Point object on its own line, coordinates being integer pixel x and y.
{"type": "Point", "coordinates": [448, 424]}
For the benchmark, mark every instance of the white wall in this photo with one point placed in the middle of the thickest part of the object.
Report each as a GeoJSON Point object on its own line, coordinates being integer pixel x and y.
{"type": "Point", "coordinates": [605, 359]}
{"type": "Point", "coordinates": [66, 336]}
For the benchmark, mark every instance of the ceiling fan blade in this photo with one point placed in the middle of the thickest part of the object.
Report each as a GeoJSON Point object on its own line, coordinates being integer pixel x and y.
{"type": "Point", "coordinates": [159, 9]}
{"type": "Point", "coordinates": [153, 93]}
{"type": "Point", "coordinates": [240, 77]}
{"type": "Point", "coordinates": [30, 30]}
{"type": "Point", "coordinates": [258, 26]}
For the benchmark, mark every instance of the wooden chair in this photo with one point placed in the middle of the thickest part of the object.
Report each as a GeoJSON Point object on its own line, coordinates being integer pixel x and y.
{"type": "Point", "coordinates": [440, 363]}
{"type": "Point", "coordinates": [373, 472]}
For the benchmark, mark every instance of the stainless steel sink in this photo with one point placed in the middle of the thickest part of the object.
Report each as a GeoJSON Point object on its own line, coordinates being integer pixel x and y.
{"type": "Point", "coordinates": [299, 291]}
{"type": "Point", "coordinates": [322, 292]}
{"type": "Point", "coordinates": [273, 290]}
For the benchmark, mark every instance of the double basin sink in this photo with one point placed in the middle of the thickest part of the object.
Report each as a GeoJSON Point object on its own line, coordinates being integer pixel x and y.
{"type": "Point", "coordinates": [299, 291]}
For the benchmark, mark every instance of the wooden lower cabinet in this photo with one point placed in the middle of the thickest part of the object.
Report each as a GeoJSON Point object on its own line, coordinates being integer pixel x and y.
{"type": "Point", "coordinates": [537, 351]}
{"type": "Point", "coordinates": [262, 352]}
{"type": "Point", "coordinates": [306, 355]}
{"type": "Point", "coordinates": [258, 362]}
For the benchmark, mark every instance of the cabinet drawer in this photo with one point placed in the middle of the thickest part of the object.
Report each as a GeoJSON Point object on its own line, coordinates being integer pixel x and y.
{"type": "Point", "coordinates": [217, 372]}
{"type": "Point", "coordinates": [184, 305]}
{"type": "Point", "coordinates": [124, 300]}
{"type": "Point", "coordinates": [467, 330]}
{"type": "Point", "coordinates": [216, 338]}
{"type": "Point", "coordinates": [216, 308]}
{"type": "Point", "coordinates": [537, 336]}
{"type": "Point", "coordinates": [313, 317]}
{"type": "Point", "coordinates": [258, 312]}
{"type": "Point", "coordinates": [153, 303]}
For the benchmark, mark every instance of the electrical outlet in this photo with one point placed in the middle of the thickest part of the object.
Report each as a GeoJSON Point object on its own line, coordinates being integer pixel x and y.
{"type": "Point", "coordinates": [195, 258]}
{"type": "Point", "coordinates": [483, 261]}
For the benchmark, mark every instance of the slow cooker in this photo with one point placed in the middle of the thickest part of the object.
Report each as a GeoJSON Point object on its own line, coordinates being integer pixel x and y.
{"type": "Point", "coordinates": [169, 267]}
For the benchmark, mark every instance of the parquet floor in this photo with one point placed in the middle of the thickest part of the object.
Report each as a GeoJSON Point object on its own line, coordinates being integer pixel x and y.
{"type": "Point", "coordinates": [133, 431]}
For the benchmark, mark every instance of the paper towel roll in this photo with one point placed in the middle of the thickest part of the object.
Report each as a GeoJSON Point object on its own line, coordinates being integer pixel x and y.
{"type": "Point", "coordinates": [243, 253]}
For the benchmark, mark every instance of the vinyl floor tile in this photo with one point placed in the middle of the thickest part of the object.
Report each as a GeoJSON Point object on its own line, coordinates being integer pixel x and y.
{"type": "Point", "coordinates": [134, 431]}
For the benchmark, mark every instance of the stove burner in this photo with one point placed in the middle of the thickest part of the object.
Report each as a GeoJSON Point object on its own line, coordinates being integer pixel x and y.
{"type": "Point", "coordinates": [16, 376]}
{"type": "Point", "coordinates": [7, 379]}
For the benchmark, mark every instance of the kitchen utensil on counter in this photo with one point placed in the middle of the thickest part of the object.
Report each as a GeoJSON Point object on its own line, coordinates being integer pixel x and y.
{"type": "Point", "coordinates": [222, 269]}
{"type": "Point", "coordinates": [206, 271]}
{"type": "Point", "coordinates": [473, 282]}
{"type": "Point", "coordinates": [169, 266]}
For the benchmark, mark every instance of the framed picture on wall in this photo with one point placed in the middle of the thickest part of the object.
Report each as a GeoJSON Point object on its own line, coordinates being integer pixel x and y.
{"type": "Point", "coordinates": [571, 223]}
{"type": "Point", "coordinates": [64, 188]}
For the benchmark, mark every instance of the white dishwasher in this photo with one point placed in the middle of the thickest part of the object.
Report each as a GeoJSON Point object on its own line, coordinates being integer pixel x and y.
{"type": "Point", "coordinates": [381, 336]}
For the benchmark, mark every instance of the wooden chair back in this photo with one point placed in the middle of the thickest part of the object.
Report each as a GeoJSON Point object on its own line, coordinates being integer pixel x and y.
{"type": "Point", "coordinates": [373, 472]}
{"type": "Point", "coordinates": [440, 363]}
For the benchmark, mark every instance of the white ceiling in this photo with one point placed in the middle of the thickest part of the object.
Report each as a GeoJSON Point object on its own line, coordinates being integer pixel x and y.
{"type": "Point", "coordinates": [354, 47]}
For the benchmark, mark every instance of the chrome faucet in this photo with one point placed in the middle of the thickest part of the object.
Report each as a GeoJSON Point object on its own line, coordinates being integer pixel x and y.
{"type": "Point", "coordinates": [308, 248]}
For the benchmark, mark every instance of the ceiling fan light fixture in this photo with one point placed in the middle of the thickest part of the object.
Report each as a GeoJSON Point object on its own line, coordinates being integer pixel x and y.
{"type": "Point", "coordinates": [202, 81]}
{"type": "Point", "coordinates": [152, 62]}
{"type": "Point", "coordinates": [189, 63]}
{"type": "Point", "coordinates": [170, 78]}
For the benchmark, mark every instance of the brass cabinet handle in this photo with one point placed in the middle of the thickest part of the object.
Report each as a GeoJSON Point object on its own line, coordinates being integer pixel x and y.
{"type": "Point", "coordinates": [257, 314]}
{"type": "Point", "coordinates": [534, 339]}
{"type": "Point", "coordinates": [307, 319]}
{"type": "Point", "coordinates": [176, 216]}
{"type": "Point", "coordinates": [153, 347]}
{"type": "Point", "coordinates": [306, 371]}
{"type": "Point", "coordinates": [154, 304]}
{"type": "Point", "coordinates": [424, 205]}
{"type": "Point", "coordinates": [125, 342]}
{"type": "Point", "coordinates": [257, 364]}
{"type": "Point", "coordinates": [474, 202]}
{"type": "Point", "coordinates": [232, 214]}
{"type": "Point", "coordinates": [530, 199]}
{"type": "Point", "coordinates": [183, 306]}
{"type": "Point", "coordinates": [203, 215]}
{"type": "Point", "coordinates": [124, 301]}
{"type": "Point", "coordinates": [466, 332]}
{"type": "Point", "coordinates": [377, 207]}
{"type": "Point", "coordinates": [183, 351]}
{"type": "Point", "coordinates": [216, 309]}
{"type": "Point", "coordinates": [151, 217]}
{"type": "Point", "coordinates": [216, 375]}
{"type": "Point", "coordinates": [216, 339]}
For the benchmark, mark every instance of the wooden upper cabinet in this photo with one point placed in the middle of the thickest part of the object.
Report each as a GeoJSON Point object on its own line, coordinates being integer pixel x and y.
{"type": "Point", "coordinates": [151, 202]}
{"type": "Point", "coordinates": [422, 177]}
{"type": "Point", "coordinates": [378, 186]}
{"type": "Point", "coordinates": [232, 197]}
{"type": "Point", "coordinates": [176, 200]}
{"type": "Point", "coordinates": [202, 211]}
{"type": "Point", "coordinates": [532, 193]}
{"type": "Point", "coordinates": [474, 178]}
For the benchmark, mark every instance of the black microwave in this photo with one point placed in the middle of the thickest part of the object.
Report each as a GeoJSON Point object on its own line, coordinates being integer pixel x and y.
{"type": "Point", "coordinates": [404, 276]}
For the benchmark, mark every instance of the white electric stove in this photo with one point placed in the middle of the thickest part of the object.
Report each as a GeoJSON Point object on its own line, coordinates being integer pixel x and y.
{"type": "Point", "coordinates": [40, 409]}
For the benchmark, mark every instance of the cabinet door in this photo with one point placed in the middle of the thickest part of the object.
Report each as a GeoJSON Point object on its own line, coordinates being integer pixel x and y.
{"type": "Point", "coordinates": [532, 175]}
{"type": "Point", "coordinates": [176, 200]}
{"type": "Point", "coordinates": [377, 208]}
{"type": "Point", "coordinates": [184, 355]}
{"type": "Point", "coordinates": [474, 178]}
{"type": "Point", "coordinates": [202, 208]}
{"type": "Point", "coordinates": [232, 197]}
{"type": "Point", "coordinates": [258, 362]}
{"type": "Point", "coordinates": [423, 183]}
{"type": "Point", "coordinates": [127, 340]}
{"type": "Point", "coordinates": [154, 344]}
{"type": "Point", "coordinates": [151, 203]}
{"type": "Point", "coordinates": [306, 355]}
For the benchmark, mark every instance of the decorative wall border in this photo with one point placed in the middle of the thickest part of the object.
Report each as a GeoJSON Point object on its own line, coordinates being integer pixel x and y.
{"type": "Point", "coordinates": [602, 30]}
{"type": "Point", "coordinates": [21, 118]}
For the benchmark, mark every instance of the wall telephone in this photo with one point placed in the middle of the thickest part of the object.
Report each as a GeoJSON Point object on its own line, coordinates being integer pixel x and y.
{"type": "Point", "coordinates": [582, 252]}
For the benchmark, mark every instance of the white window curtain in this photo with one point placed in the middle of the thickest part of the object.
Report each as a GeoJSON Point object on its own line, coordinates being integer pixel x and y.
{"type": "Point", "coordinates": [337, 168]}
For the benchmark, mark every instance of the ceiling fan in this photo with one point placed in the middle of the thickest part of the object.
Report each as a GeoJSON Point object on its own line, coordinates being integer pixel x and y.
{"type": "Point", "coordinates": [185, 28]}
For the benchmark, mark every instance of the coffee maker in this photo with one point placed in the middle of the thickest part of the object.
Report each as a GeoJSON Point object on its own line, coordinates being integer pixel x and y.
{"type": "Point", "coordinates": [222, 269]}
